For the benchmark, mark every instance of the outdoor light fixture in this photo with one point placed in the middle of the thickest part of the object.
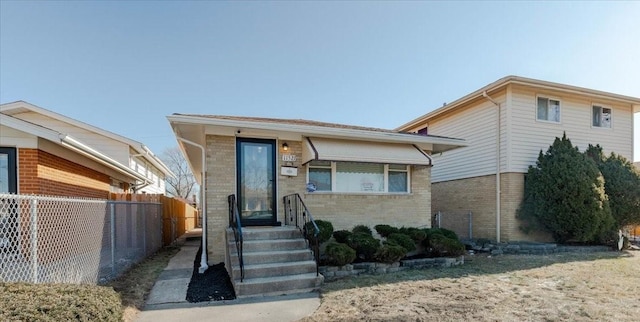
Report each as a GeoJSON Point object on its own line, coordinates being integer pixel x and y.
{"type": "Point", "coordinates": [285, 146]}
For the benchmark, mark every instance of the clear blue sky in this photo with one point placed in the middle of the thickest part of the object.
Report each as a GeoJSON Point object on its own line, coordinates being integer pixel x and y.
{"type": "Point", "coordinates": [124, 66]}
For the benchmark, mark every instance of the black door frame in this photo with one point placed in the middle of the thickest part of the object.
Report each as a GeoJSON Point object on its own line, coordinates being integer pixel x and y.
{"type": "Point", "coordinates": [257, 222]}
{"type": "Point", "coordinates": [11, 166]}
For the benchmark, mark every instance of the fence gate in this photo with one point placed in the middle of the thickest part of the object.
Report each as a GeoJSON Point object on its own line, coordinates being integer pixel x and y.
{"type": "Point", "coordinates": [461, 223]}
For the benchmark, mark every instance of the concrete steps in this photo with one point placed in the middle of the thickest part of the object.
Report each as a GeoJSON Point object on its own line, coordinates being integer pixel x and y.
{"type": "Point", "coordinates": [277, 261]}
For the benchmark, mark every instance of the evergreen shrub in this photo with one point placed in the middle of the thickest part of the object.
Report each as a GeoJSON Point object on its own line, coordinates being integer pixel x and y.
{"type": "Point", "coordinates": [339, 254]}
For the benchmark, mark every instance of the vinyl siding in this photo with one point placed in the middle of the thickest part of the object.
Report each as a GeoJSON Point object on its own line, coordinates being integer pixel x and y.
{"type": "Point", "coordinates": [477, 125]}
{"type": "Point", "coordinates": [528, 136]}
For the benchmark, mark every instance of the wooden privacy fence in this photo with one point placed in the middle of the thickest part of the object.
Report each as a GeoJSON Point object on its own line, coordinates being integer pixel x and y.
{"type": "Point", "coordinates": [178, 216]}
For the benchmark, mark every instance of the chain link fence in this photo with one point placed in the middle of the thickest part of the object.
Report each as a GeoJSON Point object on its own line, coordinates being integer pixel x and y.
{"type": "Point", "coordinates": [72, 240]}
{"type": "Point", "coordinates": [461, 223]}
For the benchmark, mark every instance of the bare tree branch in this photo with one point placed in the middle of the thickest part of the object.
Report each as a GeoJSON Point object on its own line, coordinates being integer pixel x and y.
{"type": "Point", "coordinates": [184, 184]}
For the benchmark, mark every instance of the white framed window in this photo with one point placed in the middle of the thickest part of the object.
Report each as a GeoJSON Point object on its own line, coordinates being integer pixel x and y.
{"type": "Point", "coordinates": [320, 175]}
{"type": "Point", "coordinates": [397, 178]}
{"type": "Point", "coordinates": [548, 109]}
{"type": "Point", "coordinates": [358, 177]}
{"type": "Point", "coordinates": [601, 116]}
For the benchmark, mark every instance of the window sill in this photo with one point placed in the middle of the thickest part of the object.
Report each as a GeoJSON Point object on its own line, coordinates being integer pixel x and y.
{"type": "Point", "coordinates": [548, 122]}
{"type": "Point", "coordinates": [329, 193]}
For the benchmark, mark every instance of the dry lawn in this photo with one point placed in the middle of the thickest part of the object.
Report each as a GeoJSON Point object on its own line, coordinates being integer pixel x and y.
{"type": "Point", "coordinates": [135, 285]}
{"type": "Point", "coordinates": [561, 287]}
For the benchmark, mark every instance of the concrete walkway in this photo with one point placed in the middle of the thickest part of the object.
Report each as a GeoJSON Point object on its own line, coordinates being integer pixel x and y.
{"type": "Point", "coordinates": [167, 300]}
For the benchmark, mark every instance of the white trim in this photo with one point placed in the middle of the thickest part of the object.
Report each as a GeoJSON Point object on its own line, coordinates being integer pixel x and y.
{"type": "Point", "coordinates": [135, 145]}
{"type": "Point", "coordinates": [68, 142]}
{"type": "Point", "coordinates": [520, 81]}
{"type": "Point", "coordinates": [424, 142]}
{"type": "Point", "coordinates": [548, 98]}
{"type": "Point", "coordinates": [385, 190]}
{"type": "Point", "coordinates": [602, 106]}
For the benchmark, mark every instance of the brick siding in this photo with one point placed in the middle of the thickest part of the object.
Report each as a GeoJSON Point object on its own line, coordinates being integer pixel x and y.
{"type": "Point", "coordinates": [43, 173]}
{"type": "Point", "coordinates": [478, 195]}
{"type": "Point", "coordinates": [343, 210]}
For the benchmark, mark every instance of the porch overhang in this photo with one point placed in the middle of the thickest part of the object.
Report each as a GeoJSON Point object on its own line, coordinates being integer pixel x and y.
{"type": "Point", "coordinates": [326, 149]}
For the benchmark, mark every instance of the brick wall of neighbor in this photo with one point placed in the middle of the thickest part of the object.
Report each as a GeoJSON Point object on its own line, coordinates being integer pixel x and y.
{"type": "Point", "coordinates": [347, 210]}
{"type": "Point", "coordinates": [478, 195]}
{"type": "Point", "coordinates": [43, 173]}
{"type": "Point", "coordinates": [221, 182]}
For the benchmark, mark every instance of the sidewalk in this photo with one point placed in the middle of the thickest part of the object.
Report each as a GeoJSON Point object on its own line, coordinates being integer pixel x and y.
{"type": "Point", "coordinates": [167, 300]}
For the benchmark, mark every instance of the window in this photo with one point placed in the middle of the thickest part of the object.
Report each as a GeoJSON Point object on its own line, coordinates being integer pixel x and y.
{"type": "Point", "coordinates": [358, 177]}
{"type": "Point", "coordinates": [548, 110]}
{"type": "Point", "coordinates": [601, 116]}
{"type": "Point", "coordinates": [8, 178]}
{"type": "Point", "coordinates": [320, 175]}
{"type": "Point", "coordinates": [398, 178]}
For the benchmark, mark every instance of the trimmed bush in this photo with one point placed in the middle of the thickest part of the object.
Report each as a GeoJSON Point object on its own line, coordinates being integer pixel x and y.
{"type": "Point", "coordinates": [326, 230]}
{"type": "Point", "coordinates": [362, 229]}
{"type": "Point", "coordinates": [441, 245]}
{"type": "Point", "coordinates": [402, 240]}
{"type": "Point", "coordinates": [339, 254]}
{"type": "Point", "coordinates": [418, 235]}
{"type": "Point", "coordinates": [441, 231]}
{"type": "Point", "coordinates": [342, 236]}
{"type": "Point", "coordinates": [365, 245]}
{"type": "Point", "coordinates": [385, 230]}
{"type": "Point", "coordinates": [58, 302]}
{"type": "Point", "coordinates": [390, 253]}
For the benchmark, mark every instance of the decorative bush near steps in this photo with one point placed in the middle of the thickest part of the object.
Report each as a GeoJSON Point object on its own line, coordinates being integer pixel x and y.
{"type": "Point", "coordinates": [395, 245]}
{"type": "Point", "coordinates": [335, 272]}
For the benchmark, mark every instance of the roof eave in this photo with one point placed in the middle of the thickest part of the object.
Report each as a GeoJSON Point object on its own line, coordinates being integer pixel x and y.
{"type": "Point", "coordinates": [320, 131]}
{"type": "Point", "coordinates": [521, 81]}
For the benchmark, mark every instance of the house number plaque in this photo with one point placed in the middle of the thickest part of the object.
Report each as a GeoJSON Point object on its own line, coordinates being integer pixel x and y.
{"type": "Point", "coordinates": [289, 158]}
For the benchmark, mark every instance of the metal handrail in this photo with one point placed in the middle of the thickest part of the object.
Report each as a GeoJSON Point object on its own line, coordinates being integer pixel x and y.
{"type": "Point", "coordinates": [297, 213]}
{"type": "Point", "coordinates": [236, 226]}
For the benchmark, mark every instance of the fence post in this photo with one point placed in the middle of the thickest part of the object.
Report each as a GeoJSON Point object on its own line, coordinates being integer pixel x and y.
{"type": "Point", "coordinates": [144, 228]}
{"type": "Point", "coordinates": [34, 240]}
{"type": "Point", "coordinates": [113, 238]}
{"type": "Point", "coordinates": [470, 225]}
{"type": "Point", "coordinates": [439, 219]}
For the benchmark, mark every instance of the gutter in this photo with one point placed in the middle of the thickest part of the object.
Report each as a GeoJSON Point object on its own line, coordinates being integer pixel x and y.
{"type": "Point", "coordinates": [85, 150]}
{"type": "Point", "coordinates": [498, 189]}
{"type": "Point", "coordinates": [203, 200]}
{"type": "Point", "coordinates": [326, 132]}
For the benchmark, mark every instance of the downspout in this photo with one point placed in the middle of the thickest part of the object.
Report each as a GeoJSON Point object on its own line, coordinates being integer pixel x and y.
{"type": "Point", "coordinates": [498, 192]}
{"type": "Point", "coordinates": [203, 202]}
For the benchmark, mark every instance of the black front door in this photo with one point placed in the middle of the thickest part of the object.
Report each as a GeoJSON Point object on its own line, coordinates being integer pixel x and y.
{"type": "Point", "coordinates": [256, 173]}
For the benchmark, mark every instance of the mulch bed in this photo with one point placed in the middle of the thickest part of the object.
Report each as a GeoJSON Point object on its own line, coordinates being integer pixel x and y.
{"type": "Point", "coordinates": [213, 285]}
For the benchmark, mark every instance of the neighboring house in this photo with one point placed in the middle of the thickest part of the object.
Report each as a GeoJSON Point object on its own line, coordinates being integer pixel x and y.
{"type": "Point", "coordinates": [42, 152]}
{"type": "Point", "coordinates": [506, 124]}
{"type": "Point", "coordinates": [347, 175]}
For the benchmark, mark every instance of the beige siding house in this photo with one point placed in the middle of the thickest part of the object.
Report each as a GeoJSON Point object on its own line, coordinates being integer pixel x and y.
{"type": "Point", "coordinates": [505, 125]}
{"type": "Point", "coordinates": [347, 175]}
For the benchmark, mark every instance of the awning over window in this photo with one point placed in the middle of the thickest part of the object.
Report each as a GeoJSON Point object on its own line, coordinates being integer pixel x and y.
{"type": "Point", "coordinates": [361, 151]}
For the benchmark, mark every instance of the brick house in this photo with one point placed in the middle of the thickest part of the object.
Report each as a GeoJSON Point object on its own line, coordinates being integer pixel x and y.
{"type": "Point", "coordinates": [347, 175]}
{"type": "Point", "coordinates": [42, 152]}
{"type": "Point", "coordinates": [506, 124]}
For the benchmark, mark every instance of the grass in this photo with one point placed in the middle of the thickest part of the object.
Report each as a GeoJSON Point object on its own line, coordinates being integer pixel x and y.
{"type": "Point", "coordinates": [119, 300]}
{"type": "Point", "coordinates": [135, 285]}
{"type": "Point", "coordinates": [58, 302]}
{"type": "Point", "coordinates": [603, 286]}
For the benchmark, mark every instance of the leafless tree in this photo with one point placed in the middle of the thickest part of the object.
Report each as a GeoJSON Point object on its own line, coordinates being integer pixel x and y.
{"type": "Point", "coordinates": [184, 184]}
